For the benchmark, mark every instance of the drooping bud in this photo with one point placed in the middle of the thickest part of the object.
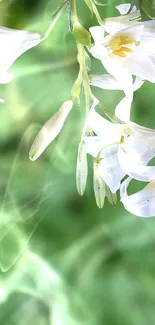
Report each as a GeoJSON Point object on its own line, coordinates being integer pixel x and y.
{"type": "Point", "coordinates": [50, 130]}
{"type": "Point", "coordinates": [99, 187]}
{"type": "Point", "coordinates": [81, 169]}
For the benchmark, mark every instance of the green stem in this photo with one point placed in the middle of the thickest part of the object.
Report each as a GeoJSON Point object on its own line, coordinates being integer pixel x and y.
{"type": "Point", "coordinates": [89, 96]}
{"type": "Point", "coordinates": [73, 11]}
{"type": "Point", "coordinates": [87, 90]}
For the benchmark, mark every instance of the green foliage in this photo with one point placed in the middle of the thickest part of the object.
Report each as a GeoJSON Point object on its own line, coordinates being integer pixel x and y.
{"type": "Point", "coordinates": [147, 9]}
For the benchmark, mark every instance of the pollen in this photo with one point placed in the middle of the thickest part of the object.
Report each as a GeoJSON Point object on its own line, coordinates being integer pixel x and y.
{"type": "Point", "coordinates": [118, 45]}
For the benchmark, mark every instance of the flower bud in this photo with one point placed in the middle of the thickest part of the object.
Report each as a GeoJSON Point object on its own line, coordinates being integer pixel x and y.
{"type": "Point", "coordinates": [50, 130]}
{"type": "Point", "coordinates": [81, 169]}
{"type": "Point", "coordinates": [99, 187]}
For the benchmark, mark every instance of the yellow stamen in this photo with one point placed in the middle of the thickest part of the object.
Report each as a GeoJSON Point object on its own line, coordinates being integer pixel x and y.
{"type": "Point", "coordinates": [126, 42]}
{"type": "Point", "coordinates": [125, 49]}
{"type": "Point", "coordinates": [117, 45]}
{"type": "Point", "coordinates": [119, 53]}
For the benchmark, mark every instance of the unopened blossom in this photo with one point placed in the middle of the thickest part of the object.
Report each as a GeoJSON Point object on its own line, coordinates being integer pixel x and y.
{"type": "Point", "coordinates": [121, 148]}
{"type": "Point", "coordinates": [13, 43]}
{"type": "Point", "coordinates": [81, 168]}
{"type": "Point", "coordinates": [50, 130]}
{"type": "Point", "coordinates": [128, 51]}
{"type": "Point", "coordinates": [141, 203]}
{"type": "Point", "coordinates": [99, 186]}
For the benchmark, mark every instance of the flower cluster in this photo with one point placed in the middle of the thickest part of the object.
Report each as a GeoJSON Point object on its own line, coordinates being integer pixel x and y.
{"type": "Point", "coordinates": [120, 148]}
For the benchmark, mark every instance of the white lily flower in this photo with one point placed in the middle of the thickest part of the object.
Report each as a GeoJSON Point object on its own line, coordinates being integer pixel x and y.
{"type": "Point", "coordinates": [13, 44]}
{"type": "Point", "coordinates": [126, 52]}
{"type": "Point", "coordinates": [121, 148]}
{"type": "Point", "coordinates": [104, 147]}
{"type": "Point", "coordinates": [50, 130]}
{"type": "Point", "coordinates": [142, 203]}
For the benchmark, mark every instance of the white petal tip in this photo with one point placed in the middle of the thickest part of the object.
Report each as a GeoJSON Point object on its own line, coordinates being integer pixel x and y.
{"type": "Point", "coordinates": [50, 131]}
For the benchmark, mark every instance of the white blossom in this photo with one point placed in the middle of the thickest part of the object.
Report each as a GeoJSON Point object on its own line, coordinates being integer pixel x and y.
{"type": "Point", "coordinates": [13, 44]}
{"type": "Point", "coordinates": [50, 130]}
{"type": "Point", "coordinates": [122, 148]}
{"type": "Point", "coordinates": [128, 50]}
{"type": "Point", "coordinates": [142, 203]}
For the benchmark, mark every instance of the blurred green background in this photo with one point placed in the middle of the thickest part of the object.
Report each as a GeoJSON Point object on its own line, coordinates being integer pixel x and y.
{"type": "Point", "coordinates": [64, 261]}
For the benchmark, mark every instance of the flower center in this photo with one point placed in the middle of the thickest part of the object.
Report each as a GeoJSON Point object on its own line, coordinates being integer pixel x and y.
{"type": "Point", "coordinates": [118, 47]}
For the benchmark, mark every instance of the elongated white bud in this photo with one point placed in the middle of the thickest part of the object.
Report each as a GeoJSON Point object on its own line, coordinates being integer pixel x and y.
{"type": "Point", "coordinates": [81, 169]}
{"type": "Point", "coordinates": [50, 130]}
{"type": "Point", "coordinates": [99, 187]}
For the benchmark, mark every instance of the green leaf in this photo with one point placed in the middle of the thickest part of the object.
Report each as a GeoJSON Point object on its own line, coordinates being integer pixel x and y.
{"type": "Point", "coordinates": [55, 17]}
{"type": "Point", "coordinates": [147, 9]}
{"type": "Point", "coordinates": [81, 34]}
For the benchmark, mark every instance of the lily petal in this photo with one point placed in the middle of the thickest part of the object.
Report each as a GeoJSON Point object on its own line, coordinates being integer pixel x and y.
{"type": "Point", "coordinates": [138, 83]}
{"type": "Point", "coordinates": [13, 44]}
{"type": "Point", "coordinates": [104, 81]}
{"type": "Point", "coordinates": [103, 128]}
{"type": "Point", "coordinates": [123, 109]}
{"type": "Point", "coordinates": [134, 168]}
{"type": "Point", "coordinates": [142, 67]}
{"type": "Point", "coordinates": [142, 203]}
{"type": "Point", "coordinates": [97, 33]}
{"type": "Point", "coordinates": [121, 74]}
{"type": "Point", "coordinates": [94, 144]}
{"type": "Point", "coordinates": [114, 24]}
{"type": "Point", "coordinates": [125, 7]}
{"type": "Point", "coordinates": [110, 169]}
